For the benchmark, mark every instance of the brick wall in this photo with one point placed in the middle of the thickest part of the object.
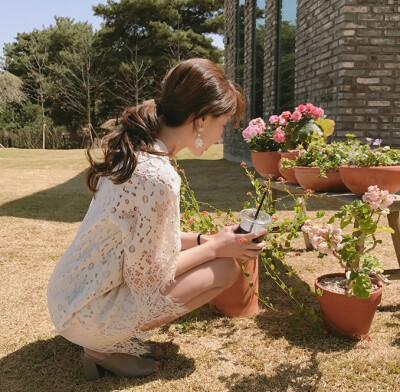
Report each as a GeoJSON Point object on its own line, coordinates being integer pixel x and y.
{"type": "Point", "coordinates": [348, 62]}
{"type": "Point", "coordinates": [318, 51]}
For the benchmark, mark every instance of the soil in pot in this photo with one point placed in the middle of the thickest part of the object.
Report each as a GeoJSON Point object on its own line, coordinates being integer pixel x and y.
{"type": "Point", "coordinates": [347, 316]}
{"type": "Point", "coordinates": [358, 179]}
{"type": "Point", "coordinates": [308, 179]}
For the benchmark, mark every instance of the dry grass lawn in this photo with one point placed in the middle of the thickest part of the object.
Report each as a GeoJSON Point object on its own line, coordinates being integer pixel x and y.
{"type": "Point", "coordinates": [43, 200]}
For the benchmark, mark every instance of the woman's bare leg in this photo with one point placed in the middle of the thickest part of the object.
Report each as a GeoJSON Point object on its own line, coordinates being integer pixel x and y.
{"type": "Point", "coordinates": [200, 285]}
{"type": "Point", "coordinates": [194, 288]}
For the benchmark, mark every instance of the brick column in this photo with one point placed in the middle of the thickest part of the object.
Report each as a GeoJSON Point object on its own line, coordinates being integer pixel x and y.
{"type": "Point", "coordinates": [270, 56]}
{"type": "Point", "coordinates": [235, 148]}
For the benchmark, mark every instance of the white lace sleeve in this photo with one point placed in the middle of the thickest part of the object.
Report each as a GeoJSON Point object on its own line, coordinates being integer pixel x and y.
{"type": "Point", "coordinates": [147, 216]}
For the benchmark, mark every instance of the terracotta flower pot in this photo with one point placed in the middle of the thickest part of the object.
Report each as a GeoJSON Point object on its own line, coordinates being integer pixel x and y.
{"type": "Point", "coordinates": [266, 164]}
{"type": "Point", "coordinates": [239, 299]}
{"type": "Point", "coordinates": [308, 179]}
{"type": "Point", "coordinates": [288, 174]}
{"type": "Point", "coordinates": [347, 316]}
{"type": "Point", "coordinates": [358, 179]}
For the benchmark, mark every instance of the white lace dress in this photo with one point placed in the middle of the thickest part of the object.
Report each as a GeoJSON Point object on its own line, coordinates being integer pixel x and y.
{"type": "Point", "coordinates": [109, 282]}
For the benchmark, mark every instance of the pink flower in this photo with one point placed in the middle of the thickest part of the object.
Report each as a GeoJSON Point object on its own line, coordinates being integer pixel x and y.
{"type": "Point", "coordinates": [378, 199]}
{"type": "Point", "coordinates": [274, 119]}
{"type": "Point", "coordinates": [286, 114]}
{"type": "Point", "coordinates": [246, 134]}
{"type": "Point", "coordinates": [256, 127]}
{"type": "Point", "coordinates": [282, 121]}
{"type": "Point", "coordinates": [301, 108]}
{"type": "Point", "coordinates": [279, 135]}
{"type": "Point", "coordinates": [258, 123]}
{"type": "Point", "coordinates": [204, 212]}
{"type": "Point", "coordinates": [319, 113]}
{"type": "Point", "coordinates": [296, 115]}
{"type": "Point", "coordinates": [243, 164]}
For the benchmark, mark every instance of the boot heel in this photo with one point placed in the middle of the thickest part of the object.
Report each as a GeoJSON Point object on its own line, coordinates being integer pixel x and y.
{"type": "Point", "coordinates": [90, 369]}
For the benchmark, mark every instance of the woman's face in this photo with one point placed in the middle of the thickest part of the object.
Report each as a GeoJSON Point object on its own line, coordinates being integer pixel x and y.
{"type": "Point", "coordinates": [212, 132]}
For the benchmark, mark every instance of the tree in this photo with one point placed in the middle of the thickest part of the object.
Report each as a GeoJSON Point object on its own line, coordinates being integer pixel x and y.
{"type": "Point", "coordinates": [147, 37]}
{"type": "Point", "coordinates": [29, 56]}
{"type": "Point", "coordinates": [10, 89]}
{"type": "Point", "coordinates": [75, 72]}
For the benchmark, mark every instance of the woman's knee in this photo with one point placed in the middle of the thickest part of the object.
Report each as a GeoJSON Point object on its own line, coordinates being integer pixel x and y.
{"type": "Point", "coordinates": [228, 271]}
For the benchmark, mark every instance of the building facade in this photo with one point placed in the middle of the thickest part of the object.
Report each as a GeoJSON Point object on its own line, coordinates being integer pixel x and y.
{"type": "Point", "coordinates": [342, 55]}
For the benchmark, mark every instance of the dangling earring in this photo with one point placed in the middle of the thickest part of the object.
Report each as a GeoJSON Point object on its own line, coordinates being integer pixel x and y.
{"type": "Point", "coordinates": [199, 141]}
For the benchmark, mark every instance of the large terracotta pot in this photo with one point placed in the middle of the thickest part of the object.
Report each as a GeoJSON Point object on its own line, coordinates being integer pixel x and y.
{"type": "Point", "coordinates": [358, 179]}
{"type": "Point", "coordinates": [347, 316]}
{"type": "Point", "coordinates": [239, 299]}
{"type": "Point", "coordinates": [308, 179]}
{"type": "Point", "coordinates": [266, 164]}
{"type": "Point", "coordinates": [288, 174]}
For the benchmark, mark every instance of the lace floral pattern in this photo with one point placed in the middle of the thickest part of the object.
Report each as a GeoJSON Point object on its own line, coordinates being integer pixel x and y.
{"type": "Point", "coordinates": [109, 282]}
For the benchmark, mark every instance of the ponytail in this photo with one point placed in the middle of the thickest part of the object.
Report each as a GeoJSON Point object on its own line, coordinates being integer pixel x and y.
{"type": "Point", "coordinates": [140, 127]}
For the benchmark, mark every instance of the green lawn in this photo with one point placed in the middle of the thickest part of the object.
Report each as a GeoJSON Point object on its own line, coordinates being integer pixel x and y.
{"type": "Point", "coordinates": [42, 202]}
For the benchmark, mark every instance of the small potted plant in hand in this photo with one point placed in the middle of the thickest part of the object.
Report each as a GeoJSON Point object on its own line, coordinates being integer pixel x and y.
{"type": "Point", "coordinates": [348, 300]}
{"type": "Point", "coordinates": [264, 149]}
{"type": "Point", "coordinates": [371, 164]}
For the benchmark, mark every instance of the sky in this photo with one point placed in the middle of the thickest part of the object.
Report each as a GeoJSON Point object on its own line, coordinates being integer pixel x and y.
{"type": "Point", "coordinates": [23, 16]}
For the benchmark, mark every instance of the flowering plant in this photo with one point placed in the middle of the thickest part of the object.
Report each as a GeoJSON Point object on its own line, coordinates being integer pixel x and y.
{"type": "Point", "coordinates": [321, 155]}
{"type": "Point", "coordinates": [372, 153]}
{"type": "Point", "coordinates": [296, 128]}
{"type": "Point", "coordinates": [260, 137]}
{"type": "Point", "coordinates": [353, 250]}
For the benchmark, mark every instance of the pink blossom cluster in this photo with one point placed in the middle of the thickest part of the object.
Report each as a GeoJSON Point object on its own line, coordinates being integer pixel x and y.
{"type": "Point", "coordinates": [281, 121]}
{"type": "Point", "coordinates": [378, 199]}
{"type": "Point", "coordinates": [325, 239]}
{"type": "Point", "coordinates": [256, 127]}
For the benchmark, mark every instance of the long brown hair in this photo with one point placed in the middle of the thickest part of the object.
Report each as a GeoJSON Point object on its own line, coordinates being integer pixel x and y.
{"type": "Point", "coordinates": [193, 89]}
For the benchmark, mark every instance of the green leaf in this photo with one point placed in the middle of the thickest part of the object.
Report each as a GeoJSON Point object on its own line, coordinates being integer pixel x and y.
{"type": "Point", "coordinates": [362, 287]}
{"type": "Point", "coordinates": [388, 229]}
{"type": "Point", "coordinates": [327, 126]}
{"type": "Point", "coordinates": [303, 133]}
{"type": "Point", "coordinates": [319, 292]}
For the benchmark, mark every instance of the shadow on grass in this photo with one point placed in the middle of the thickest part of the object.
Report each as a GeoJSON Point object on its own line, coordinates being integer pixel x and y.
{"type": "Point", "coordinates": [299, 327]}
{"type": "Point", "coordinates": [286, 377]}
{"type": "Point", "coordinates": [66, 202]}
{"type": "Point", "coordinates": [221, 183]}
{"type": "Point", "coordinates": [55, 365]}
{"type": "Point", "coordinates": [224, 185]}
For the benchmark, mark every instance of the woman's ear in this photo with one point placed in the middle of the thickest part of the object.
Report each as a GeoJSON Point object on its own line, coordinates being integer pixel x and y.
{"type": "Point", "coordinates": [198, 123]}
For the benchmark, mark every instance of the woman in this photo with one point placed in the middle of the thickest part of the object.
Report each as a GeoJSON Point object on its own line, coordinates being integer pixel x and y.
{"type": "Point", "coordinates": [129, 268]}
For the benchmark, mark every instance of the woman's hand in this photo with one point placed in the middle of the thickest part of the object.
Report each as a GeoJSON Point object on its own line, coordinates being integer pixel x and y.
{"type": "Point", "coordinates": [228, 243]}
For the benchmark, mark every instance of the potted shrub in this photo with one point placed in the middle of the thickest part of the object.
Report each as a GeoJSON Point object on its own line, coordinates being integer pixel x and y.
{"type": "Point", "coordinates": [348, 300]}
{"type": "Point", "coordinates": [317, 167]}
{"type": "Point", "coordinates": [264, 149]}
{"type": "Point", "coordinates": [371, 164]}
{"type": "Point", "coordinates": [296, 130]}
